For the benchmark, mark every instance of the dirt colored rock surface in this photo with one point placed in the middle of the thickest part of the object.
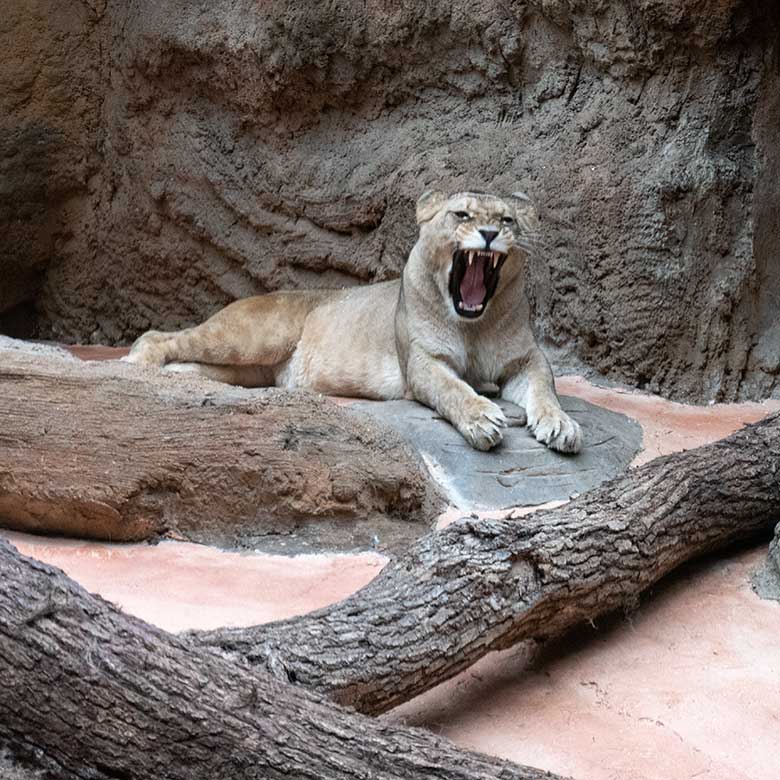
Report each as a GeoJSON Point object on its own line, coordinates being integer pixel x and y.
{"type": "Point", "coordinates": [766, 580]}
{"type": "Point", "coordinates": [52, 86]}
{"type": "Point", "coordinates": [161, 160]}
{"type": "Point", "coordinates": [112, 451]}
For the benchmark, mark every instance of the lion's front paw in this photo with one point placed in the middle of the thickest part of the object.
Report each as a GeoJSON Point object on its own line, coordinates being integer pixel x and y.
{"type": "Point", "coordinates": [148, 350]}
{"type": "Point", "coordinates": [557, 430]}
{"type": "Point", "coordinates": [483, 424]}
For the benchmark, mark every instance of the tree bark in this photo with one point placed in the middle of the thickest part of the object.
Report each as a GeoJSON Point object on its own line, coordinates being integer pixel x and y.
{"type": "Point", "coordinates": [112, 451]}
{"type": "Point", "coordinates": [89, 692]}
{"type": "Point", "coordinates": [484, 585]}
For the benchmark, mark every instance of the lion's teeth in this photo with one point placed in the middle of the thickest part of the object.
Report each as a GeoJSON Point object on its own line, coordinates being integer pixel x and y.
{"type": "Point", "coordinates": [495, 260]}
{"type": "Point", "coordinates": [471, 258]}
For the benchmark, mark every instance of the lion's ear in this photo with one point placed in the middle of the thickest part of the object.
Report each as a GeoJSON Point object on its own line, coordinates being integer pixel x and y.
{"type": "Point", "coordinates": [525, 211]}
{"type": "Point", "coordinates": [521, 202]}
{"type": "Point", "coordinates": [428, 204]}
{"type": "Point", "coordinates": [527, 218]}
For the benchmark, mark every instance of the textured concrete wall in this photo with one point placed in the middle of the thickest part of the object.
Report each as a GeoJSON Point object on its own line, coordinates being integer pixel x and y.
{"type": "Point", "coordinates": [51, 87]}
{"type": "Point", "coordinates": [227, 147]}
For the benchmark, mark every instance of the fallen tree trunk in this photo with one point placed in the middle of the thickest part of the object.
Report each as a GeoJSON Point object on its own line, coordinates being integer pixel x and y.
{"type": "Point", "coordinates": [89, 692]}
{"type": "Point", "coordinates": [112, 451]}
{"type": "Point", "coordinates": [484, 585]}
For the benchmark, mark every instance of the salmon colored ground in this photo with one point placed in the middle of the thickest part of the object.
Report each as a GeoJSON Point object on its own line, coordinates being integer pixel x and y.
{"type": "Point", "coordinates": [688, 686]}
{"type": "Point", "coordinates": [181, 585]}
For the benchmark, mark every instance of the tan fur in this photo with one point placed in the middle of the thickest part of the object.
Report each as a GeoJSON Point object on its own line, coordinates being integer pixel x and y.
{"type": "Point", "coordinates": [396, 339]}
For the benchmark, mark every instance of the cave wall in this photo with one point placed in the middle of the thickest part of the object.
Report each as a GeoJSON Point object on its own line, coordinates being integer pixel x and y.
{"type": "Point", "coordinates": [226, 148]}
{"type": "Point", "coordinates": [51, 87]}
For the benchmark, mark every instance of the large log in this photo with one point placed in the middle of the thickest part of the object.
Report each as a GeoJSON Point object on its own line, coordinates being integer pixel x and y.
{"type": "Point", "coordinates": [111, 451]}
{"type": "Point", "coordinates": [484, 585]}
{"type": "Point", "coordinates": [89, 692]}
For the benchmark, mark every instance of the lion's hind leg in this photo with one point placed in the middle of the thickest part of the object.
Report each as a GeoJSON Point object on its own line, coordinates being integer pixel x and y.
{"type": "Point", "coordinates": [153, 348]}
{"type": "Point", "coordinates": [205, 343]}
{"type": "Point", "coordinates": [241, 344]}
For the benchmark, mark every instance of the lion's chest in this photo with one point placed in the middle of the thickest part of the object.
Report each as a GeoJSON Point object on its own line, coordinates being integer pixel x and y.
{"type": "Point", "coordinates": [477, 359]}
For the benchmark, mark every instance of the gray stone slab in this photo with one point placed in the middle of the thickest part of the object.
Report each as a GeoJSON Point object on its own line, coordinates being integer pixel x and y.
{"type": "Point", "coordinates": [520, 471]}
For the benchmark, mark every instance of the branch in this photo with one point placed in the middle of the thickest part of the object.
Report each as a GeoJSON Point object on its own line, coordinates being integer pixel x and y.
{"type": "Point", "coordinates": [89, 692]}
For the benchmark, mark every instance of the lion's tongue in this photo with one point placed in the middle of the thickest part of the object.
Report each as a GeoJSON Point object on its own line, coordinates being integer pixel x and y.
{"type": "Point", "coordinates": [472, 287]}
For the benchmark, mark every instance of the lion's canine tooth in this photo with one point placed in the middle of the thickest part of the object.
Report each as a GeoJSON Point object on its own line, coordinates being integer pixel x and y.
{"type": "Point", "coordinates": [495, 260]}
{"type": "Point", "coordinates": [471, 258]}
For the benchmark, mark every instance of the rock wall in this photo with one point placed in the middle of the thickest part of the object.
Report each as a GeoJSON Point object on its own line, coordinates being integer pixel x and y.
{"type": "Point", "coordinates": [766, 580]}
{"type": "Point", "coordinates": [202, 151]}
{"type": "Point", "coordinates": [51, 149]}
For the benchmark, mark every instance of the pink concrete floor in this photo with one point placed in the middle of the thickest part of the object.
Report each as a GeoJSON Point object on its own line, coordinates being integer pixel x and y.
{"type": "Point", "coordinates": [688, 687]}
{"type": "Point", "coordinates": [668, 426]}
{"type": "Point", "coordinates": [180, 585]}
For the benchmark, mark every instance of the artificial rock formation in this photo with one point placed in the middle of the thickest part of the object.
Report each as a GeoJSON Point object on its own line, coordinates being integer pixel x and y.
{"type": "Point", "coordinates": [766, 580]}
{"type": "Point", "coordinates": [160, 160]}
{"type": "Point", "coordinates": [113, 451]}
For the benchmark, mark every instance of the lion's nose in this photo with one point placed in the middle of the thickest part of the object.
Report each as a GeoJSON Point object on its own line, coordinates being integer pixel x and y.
{"type": "Point", "coordinates": [488, 235]}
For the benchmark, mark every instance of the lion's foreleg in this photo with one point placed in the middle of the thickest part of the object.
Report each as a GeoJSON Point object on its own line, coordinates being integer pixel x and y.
{"type": "Point", "coordinates": [436, 384]}
{"type": "Point", "coordinates": [530, 384]}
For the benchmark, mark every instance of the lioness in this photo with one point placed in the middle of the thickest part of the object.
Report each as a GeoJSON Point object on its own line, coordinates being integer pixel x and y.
{"type": "Point", "coordinates": [457, 319]}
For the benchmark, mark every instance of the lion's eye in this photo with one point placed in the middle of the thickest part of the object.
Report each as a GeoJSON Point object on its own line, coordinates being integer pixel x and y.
{"type": "Point", "coordinates": [462, 214]}
{"type": "Point", "coordinates": [507, 221]}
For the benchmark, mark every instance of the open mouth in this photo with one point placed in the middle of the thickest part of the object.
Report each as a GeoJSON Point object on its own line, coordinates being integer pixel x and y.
{"type": "Point", "coordinates": [473, 279]}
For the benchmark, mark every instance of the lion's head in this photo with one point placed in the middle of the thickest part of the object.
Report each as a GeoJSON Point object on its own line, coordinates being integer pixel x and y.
{"type": "Point", "coordinates": [475, 244]}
